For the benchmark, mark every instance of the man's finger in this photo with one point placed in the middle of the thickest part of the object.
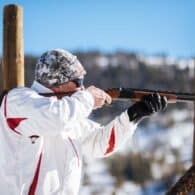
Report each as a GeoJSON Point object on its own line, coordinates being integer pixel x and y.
{"type": "Point", "coordinates": [108, 99]}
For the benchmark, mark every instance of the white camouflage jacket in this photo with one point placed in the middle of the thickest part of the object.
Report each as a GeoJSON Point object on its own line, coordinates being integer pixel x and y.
{"type": "Point", "coordinates": [43, 139]}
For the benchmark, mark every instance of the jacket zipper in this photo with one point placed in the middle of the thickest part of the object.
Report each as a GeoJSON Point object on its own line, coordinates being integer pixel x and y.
{"type": "Point", "coordinates": [75, 151]}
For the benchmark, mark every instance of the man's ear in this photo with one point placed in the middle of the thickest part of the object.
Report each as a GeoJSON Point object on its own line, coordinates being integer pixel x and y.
{"type": "Point", "coordinates": [55, 88]}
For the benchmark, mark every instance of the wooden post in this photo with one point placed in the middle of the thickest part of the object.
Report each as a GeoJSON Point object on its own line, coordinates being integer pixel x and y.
{"type": "Point", "coordinates": [13, 52]}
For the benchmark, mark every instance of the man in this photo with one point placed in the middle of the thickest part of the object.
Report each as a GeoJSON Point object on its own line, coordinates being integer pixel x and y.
{"type": "Point", "coordinates": [43, 139]}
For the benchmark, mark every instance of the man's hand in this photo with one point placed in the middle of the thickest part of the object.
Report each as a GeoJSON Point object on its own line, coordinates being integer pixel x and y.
{"type": "Point", "coordinates": [100, 96]}
{"type": "Point", "coordinates": [148, 105]}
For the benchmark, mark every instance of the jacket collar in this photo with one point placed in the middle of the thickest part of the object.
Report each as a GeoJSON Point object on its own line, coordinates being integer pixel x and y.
{"type": "Point", "coordinates": [39, 88]}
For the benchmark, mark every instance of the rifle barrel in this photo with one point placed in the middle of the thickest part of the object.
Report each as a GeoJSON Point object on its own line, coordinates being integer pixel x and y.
{"type": "Point", "coordinates": [159, 91]}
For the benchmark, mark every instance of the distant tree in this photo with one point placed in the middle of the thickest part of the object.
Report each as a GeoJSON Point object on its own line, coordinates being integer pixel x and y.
{"type": "Point", "coordinates": [30, 62]}
{"type": "Point", "coordinates": [132, 167]}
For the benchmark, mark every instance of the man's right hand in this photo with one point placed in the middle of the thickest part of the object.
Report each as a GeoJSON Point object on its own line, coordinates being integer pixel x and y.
{"type": "Point", "coordinates": [100, 96]}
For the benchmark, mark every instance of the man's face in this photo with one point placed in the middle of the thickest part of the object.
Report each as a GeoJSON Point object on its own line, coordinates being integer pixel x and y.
{"type": "Point", "coordinates": [71, 86]}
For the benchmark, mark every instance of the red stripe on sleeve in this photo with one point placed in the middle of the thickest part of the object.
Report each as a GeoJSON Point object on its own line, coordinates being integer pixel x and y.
{"type": "Point", "coordinates": [35, 179]}
{"type": "Point", "coordinates": [111, 142]}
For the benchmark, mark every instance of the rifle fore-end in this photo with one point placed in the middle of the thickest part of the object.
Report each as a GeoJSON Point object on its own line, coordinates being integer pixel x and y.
{"type": "Point", "coordinates": [171, 98]}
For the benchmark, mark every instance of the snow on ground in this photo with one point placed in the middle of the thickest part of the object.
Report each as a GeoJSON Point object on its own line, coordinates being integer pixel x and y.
{"type": "Point", "coordinates": [129, 188]}
{"type": "Point", "coordinates": [179, 136]}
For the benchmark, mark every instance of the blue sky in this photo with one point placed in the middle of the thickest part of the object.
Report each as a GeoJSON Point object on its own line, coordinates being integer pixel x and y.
{"type": "Point", "coordinates": [146, 26]}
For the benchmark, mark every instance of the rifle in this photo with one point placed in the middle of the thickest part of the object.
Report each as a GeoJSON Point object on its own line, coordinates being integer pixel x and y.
{"type": "Point", "coordinates": [130, 94]}
{"type": "Point", "coordinates": [136, 94]}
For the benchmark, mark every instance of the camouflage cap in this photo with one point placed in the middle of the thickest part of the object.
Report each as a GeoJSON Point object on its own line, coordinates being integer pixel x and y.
{"type": "Point", "coordinates": [58, 66]}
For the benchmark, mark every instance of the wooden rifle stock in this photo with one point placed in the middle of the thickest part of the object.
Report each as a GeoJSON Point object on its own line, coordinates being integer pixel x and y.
{"type": "Point", "coordinates": [136, 94]}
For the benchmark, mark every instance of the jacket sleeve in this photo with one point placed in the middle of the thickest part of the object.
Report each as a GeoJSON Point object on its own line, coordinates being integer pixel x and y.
{"type": "Point", "coordinates": [38, 115]}
{"type": "Point", "coordinates": [104, 140]}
